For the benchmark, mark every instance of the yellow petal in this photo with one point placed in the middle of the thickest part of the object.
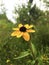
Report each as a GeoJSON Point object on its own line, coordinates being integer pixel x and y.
{"type": "Point", "coordinates": [14, 33]}
{"type": "Point", "coordinates": [20, 25]}
{"type": "Point", "coordinates": [15, 28]}
{"type": "Point", "coordinates": [31, 26]}
{"type": "Point", "coordinates": [26, 36]}
{"type": "Point", "coordinates": [31, 30]}
{"type": "Point", "coordinates": [26, 26]}
{"type": "Point", "coordinates": [17, 34]}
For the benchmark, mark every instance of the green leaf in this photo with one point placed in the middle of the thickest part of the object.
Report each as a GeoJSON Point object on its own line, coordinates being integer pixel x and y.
{"type": "Point", "coordinates": [33, 62]}
{"type": "Point", "coordinates": [23, 54]}
{"type": "Point", "coordinates": [34, 49]}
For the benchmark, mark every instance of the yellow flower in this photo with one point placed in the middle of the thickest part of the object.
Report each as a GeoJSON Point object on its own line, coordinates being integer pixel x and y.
{"type": "Point", "coordinates": [44, 57]}
{"type": "Point", "coordinates": [23, 31]}
{"type": "Point", "coordinates": [7, 60]}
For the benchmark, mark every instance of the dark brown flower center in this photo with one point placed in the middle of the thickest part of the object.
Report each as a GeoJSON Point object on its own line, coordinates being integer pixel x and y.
{"type": "Point", "coordinates": [23, 29]}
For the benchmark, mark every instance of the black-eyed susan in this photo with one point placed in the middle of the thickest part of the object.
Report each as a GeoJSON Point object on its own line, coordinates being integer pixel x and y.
{"type": "Point", "coordinates": [23, 31]}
